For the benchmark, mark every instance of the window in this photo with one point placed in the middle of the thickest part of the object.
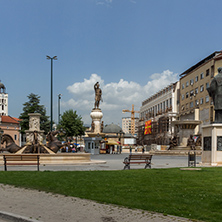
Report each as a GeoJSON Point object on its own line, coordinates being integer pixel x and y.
{"type": "Point", "coordinates": [201, 101]}
{"type": "Point", "coordinates": [15, 137]}
{"type": "Point", "coordinates": [191, 104]}
{"type": "Point", "coordinates": [182, 96]}
{"type": "Point", "coordinates": [170, 101]}
{"type": "Point", "coordinates": [212, 71]}
{"type": "Point", "coordinates": [191, 82]}
{"type": "Point", "coordinates": [207, 99]}
{"type": "Point", "coordinates": [196, 90]}
{"type": "Point", "coordinates": [187, 94]}
{"type": "Point", "coordinates": [182, 86]}
{"type": "Point", "coordinates": [191, 93]}
{"type": "Point", "coordinates": [187, 84]}
{"type": "Point", "coordinates": [196, 78]}
{"type": "Point", "coordinates": [196, 102]}
{"type": "Point", "coordinates": [207, 72]}
{"type": "Point", "coordinates": [201, 88]}
{"type": "Point", "coordinates": [207, 85]}
{"type": "Point", "coordinates": [2, 107]}
{"type": "Point", "coordinates": [202, 75]}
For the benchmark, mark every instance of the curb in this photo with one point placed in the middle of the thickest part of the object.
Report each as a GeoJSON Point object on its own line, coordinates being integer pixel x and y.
{"type": "Point", "coordinates": [16, 217]}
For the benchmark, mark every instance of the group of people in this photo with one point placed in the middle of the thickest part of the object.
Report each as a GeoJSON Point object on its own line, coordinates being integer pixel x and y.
{"type": "Point", "coordinates": [136, 149]}
{"type": "Point", "coordinates": [71, 148]}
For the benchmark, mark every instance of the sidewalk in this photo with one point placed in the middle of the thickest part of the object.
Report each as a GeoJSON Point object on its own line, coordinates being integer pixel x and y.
{"type": "Point", "coordinates": [35, 205]}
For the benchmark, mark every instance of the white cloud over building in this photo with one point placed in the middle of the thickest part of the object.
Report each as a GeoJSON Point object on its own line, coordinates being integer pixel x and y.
{"type": "Point", "coordinates": [116, 95]}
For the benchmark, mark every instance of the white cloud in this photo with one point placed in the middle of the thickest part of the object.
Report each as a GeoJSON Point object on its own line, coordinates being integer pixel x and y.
{"type": "Point", "coordinates": [109, 2]}
{"type": "Point", "coordinates": [116, 95]}
{"type": "Point", "coordinates": [104, 2]}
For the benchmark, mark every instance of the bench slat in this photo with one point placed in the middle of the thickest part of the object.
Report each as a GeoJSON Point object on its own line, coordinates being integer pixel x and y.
{"type": "Point", "coordinates": [16, 164]}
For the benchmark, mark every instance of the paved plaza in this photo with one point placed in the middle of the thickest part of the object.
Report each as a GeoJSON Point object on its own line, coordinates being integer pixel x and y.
{"type": "Point", "coordinates": [112, 162]}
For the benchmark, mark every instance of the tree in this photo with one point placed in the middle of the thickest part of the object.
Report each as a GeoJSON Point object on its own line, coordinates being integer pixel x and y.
{"type": "Point", "coordinates": [71, 124]}
{"type": "Point", "coordinates": [32, 106]}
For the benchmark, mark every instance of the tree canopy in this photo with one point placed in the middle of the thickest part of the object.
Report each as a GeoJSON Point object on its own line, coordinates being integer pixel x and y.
{"type": "Point", "coordinates": [33, 106]}
{"type": "Point", "coordinates": [71, 124]}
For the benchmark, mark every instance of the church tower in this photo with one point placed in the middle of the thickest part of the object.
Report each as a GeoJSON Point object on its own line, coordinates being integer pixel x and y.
{"type": "Point", "coordinates": [3, 100]}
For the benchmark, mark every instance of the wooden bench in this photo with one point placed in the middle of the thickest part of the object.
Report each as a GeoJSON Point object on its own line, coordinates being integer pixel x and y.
{"type": "Point", "coordinates": [138, 159]}
{"type": "Point", "coordinates": [21, 159]}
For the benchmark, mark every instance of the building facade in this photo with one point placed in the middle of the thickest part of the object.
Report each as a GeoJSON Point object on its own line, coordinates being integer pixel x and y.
{"type": "Point", "coordinates": [3, 100]}
{"type": "Point", "coordinates": [195, 103]}
{"type": "Point", "coordinates": [11, 126]}
{"type": "Point", "coordinates": [126, 125]}
{"type": "Point", "coordinates": [161, 109]}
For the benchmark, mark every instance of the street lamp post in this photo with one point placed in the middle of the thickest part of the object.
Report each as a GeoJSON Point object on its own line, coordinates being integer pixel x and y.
{"type": "Point", "coordinates": [51, 58]}
{"type": "Point", "coordinates": [119, 135]}
{"type": "Point", "coordinates": [59, 97]}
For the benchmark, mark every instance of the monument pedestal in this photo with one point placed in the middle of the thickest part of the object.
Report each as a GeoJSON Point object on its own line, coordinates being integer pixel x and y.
{"type": "Point", "coordinates": [212, 144]}
{"type": "Point", "coordinates": [96, 116]}
{"type": "Point", "coordinates": [92, 143]}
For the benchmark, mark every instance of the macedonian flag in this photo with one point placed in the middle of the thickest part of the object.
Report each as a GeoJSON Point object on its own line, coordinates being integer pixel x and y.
{"type": "Point", "coordinates": [147, 127]}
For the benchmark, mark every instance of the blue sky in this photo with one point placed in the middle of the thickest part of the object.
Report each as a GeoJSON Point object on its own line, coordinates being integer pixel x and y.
{"type": "Point", "coordinates": [132, 47]}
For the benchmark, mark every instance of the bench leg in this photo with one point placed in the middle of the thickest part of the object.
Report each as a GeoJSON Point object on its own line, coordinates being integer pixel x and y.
{"type": "Point", "coordinates": [38, 163]}
{"type": "Point", "coordinates": [5, 167]}
{"type": "Point", "coordinates": [127, 166]}
{"type": "Point", "coordinates": [5, 163]}
{"type": "Point", "coordinates": [148, 165]}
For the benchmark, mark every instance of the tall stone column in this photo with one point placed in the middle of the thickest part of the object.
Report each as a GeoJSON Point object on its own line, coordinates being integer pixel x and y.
{"type": "Point", "coordinates": [34, 125]}
{"type": "Point", "coordinates": [96, 116]}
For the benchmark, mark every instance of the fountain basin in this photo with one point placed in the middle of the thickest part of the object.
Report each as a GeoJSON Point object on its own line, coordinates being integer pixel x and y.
{"type": "Point", "coordinates": [186, 128]}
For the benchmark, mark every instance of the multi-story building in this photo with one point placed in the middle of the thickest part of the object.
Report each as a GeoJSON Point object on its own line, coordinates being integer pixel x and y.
{"type": "Point", "coordinates": [126, 124]}
{"type": "Point", "coordinates": [161, 108]}
{"type": "Point", "coordinates": [3, 100]}
{"type": "Point", "coordinates": [195, 103]}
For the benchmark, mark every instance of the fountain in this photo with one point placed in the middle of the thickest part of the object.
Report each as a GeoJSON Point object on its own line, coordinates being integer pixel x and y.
{"type": "Point", "coordinates": [34, 137]}
{"type": "Point", "coordinates": [34, 144]}
{"type": "Point", "coordinates": [186, 128]}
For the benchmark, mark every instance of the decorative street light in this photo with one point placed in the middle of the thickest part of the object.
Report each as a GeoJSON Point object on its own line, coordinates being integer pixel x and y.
{"type": "Point", "coordinates": [51, 58]}
{"type": "Point", "coordinates": [59, 97]}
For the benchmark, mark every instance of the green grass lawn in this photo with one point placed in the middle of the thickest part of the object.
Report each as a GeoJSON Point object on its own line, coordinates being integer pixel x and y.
{"type": "Point", "coordinates": [191, 194]}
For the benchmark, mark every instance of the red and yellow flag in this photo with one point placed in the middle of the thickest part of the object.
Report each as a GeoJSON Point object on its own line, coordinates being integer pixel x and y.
{"type": "Point", "coordinates": [147, 127]}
